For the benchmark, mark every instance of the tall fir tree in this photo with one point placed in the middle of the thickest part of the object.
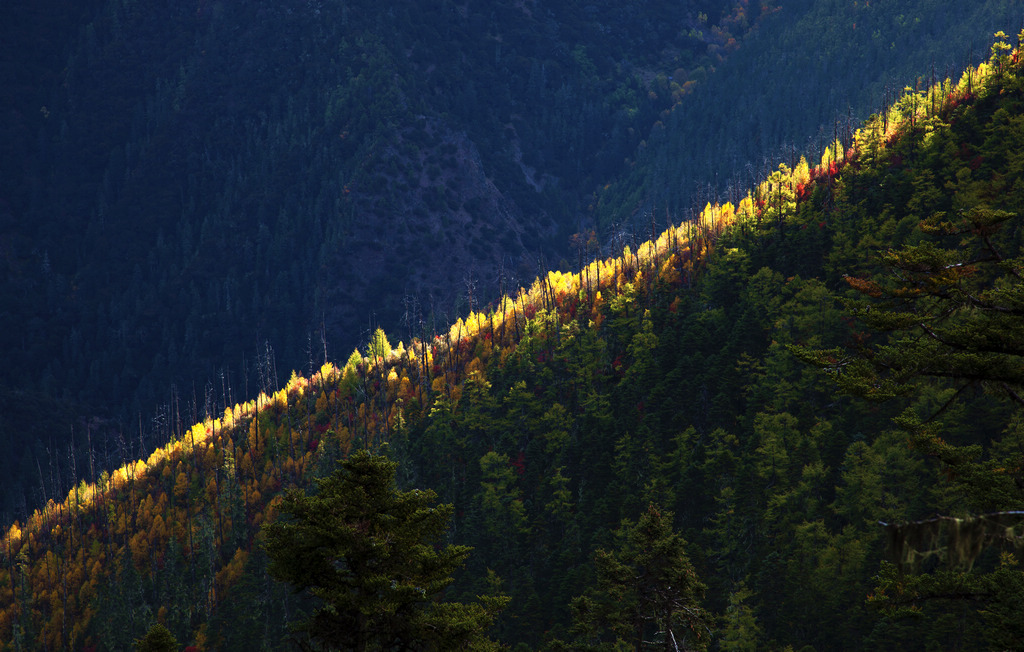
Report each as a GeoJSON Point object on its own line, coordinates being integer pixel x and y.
{"type": "Point", "coordinates": [371, 556]}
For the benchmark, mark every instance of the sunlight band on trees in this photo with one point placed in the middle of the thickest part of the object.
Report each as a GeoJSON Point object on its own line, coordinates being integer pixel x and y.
{"type": "Point", "coordinates": [238, 463]}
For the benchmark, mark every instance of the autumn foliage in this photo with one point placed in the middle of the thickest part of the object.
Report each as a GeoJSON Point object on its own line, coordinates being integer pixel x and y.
{"type": "Point", "coordinates": [195, 506]}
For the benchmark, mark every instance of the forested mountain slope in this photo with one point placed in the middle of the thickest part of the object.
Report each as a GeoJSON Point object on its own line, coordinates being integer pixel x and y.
{"type": "Point", "coordinates": [669, 376]}
{"type": "Point", "coordinates": [811, 71]}
{"type": "Point", "coordinates": [185, 184]}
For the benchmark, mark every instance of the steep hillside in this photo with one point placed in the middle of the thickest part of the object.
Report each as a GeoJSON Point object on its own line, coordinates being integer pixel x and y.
{"type": "Point", "coordinates": [812, 70]}
{"type": "Point", "coordinates": [189, 182]}
{"type": "Point", "coordinates": [668, 376]}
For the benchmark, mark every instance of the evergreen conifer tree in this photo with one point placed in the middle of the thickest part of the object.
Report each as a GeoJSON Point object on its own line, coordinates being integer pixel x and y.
{"type": "Point", "coordinates": [158, 639]}
{"type": "Point", "coordinates": [647, 595]}
{"type": "Point", "coordinates": [371, 557]}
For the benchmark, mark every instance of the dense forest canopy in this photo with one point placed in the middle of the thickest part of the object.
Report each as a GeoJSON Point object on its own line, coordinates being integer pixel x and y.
{"type": "Point", "coordinates": [191, 183]}
{"type": "Point", "coordinates": [791, 423]}
{"type": "Point", "coordinates": [201, 197]}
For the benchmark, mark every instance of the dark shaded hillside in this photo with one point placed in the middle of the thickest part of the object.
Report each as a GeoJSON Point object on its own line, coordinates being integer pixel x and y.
{"type": "Point", "coordinates": [668, 376]}
{"type": "Point", "coordinates": [189, 182]}
{"type": "Point", "coordinates": [811, 72]}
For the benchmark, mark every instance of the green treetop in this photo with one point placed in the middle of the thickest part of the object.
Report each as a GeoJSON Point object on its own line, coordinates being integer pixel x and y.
{"type": "Point", "coordinates": [370, 555]}
{"type": "Point", "coordinates": [157, 639]}
{"type": "Point", "coordinates": [647, 595]}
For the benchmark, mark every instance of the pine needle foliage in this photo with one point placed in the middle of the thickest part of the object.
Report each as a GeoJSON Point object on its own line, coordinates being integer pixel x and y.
{"type": "Point", "coordinates": [372, 557]}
